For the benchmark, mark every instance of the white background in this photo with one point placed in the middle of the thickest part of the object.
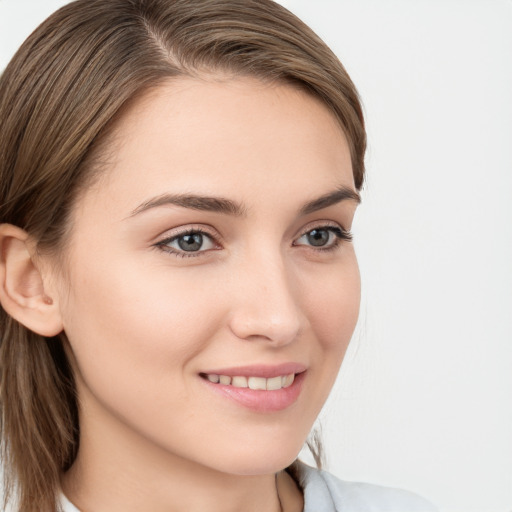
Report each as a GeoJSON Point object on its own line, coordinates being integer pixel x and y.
{"type": "Point", "coordinates": [424, 400]}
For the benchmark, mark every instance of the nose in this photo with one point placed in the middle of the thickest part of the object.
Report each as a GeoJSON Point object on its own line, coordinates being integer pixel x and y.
{"type": "Point", "coordinates": [266, 305]}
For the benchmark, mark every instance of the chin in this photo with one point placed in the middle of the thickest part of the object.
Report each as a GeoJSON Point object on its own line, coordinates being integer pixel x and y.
{"type": "Point", "coordinates": [256, 460]}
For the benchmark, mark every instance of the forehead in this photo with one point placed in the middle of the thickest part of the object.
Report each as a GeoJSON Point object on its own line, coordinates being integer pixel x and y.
{"type": "Point", "coordinates": [201, 136]}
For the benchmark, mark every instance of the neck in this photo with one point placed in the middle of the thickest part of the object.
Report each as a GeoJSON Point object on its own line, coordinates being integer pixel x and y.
{"type": "Point", "coordinates": [115, 470]}
{"type": "Point", "coordinates": [178, 491]}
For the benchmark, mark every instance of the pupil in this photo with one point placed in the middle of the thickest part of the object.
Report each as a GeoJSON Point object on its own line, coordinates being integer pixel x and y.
{"type": "Point", "coordinates": [191, 242]}
{"type": "Point", "coordinates": [318, 237]}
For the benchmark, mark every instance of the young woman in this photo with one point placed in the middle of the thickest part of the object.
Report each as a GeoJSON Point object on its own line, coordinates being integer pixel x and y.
{"type": "Point", "coordinates": [177, 279]}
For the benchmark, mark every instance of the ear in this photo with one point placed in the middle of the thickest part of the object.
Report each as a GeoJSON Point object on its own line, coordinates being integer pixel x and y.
{"type": "Point", "coordinates": [22, 291]}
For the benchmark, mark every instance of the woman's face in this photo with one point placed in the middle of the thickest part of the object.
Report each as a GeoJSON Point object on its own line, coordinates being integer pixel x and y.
{"type": "Point", "coordinates": [215, 246]}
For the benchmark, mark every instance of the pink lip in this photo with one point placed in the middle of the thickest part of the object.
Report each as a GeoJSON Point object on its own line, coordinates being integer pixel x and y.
{"type": "Point", "coordinates": [266, 371]}
{"type": "Point", "coordinates": [260, 400]}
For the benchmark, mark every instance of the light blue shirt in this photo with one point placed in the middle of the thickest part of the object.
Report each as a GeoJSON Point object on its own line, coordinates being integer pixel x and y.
{"type": "Point", "coordinates": [324, 492]}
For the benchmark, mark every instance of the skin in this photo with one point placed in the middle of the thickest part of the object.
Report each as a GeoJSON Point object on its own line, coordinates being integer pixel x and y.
{"type": "Point", "coordinates": [143, 322]}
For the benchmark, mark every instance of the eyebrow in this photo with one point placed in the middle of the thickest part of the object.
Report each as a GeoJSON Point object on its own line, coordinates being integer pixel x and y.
{"type": "Point", "coordinates": [229, 207]}
{"type": "Point", "coordinates": [194, 202]}
{"type": "Point", "coordinates": [330, 199]}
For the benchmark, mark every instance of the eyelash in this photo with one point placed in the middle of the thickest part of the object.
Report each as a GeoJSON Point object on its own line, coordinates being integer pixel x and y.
{"type": "Point", "coordinates": [164, 244]}
{"type": "Point", "coordinates": [339, 233]}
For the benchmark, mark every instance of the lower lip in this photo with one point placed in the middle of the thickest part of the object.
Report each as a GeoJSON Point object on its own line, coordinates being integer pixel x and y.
{"type": "Point", "coordinates": [259, 400]}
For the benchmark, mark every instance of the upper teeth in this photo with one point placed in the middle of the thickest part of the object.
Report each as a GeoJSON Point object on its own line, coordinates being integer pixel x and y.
{"type": "Point", "coordinates": [282, 381]}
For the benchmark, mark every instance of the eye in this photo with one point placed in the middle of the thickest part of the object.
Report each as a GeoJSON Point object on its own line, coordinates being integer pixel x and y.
{"type": "Point", "coordinates": [323, 237]}
{"type": "Point", "coordinates": [189, 243]}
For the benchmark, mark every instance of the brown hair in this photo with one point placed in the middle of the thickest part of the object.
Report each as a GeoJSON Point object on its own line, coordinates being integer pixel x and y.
{"type": "Point", "coordinates": [65, 86]}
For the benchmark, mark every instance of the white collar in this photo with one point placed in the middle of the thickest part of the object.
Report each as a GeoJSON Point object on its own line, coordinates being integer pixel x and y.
{"type": "Point", "coordinates": [66, 505]}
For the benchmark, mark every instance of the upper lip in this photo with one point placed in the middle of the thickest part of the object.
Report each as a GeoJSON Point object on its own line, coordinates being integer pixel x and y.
{"type": "Point", "coordinates": [259, 370]}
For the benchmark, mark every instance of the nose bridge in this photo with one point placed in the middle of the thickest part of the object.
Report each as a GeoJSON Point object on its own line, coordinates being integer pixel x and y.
{"type": "Point", "coordinates": [267, 303]}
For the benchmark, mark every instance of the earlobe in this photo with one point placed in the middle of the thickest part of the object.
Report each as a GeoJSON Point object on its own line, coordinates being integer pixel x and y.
{"type": "Point", "coordinates": [22, 291]}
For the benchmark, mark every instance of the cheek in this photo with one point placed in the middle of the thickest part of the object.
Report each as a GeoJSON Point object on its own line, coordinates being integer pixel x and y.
{"type": "Point", "coordinates": [135, 337]}
{"type": "Point", "coordinates": [333, 306]}
{"type": "Point", "coordinates": [142, 324]}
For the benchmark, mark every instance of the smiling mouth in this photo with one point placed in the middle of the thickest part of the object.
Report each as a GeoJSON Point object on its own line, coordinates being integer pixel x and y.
{"type": "Point", "coordinates": [255, 383]}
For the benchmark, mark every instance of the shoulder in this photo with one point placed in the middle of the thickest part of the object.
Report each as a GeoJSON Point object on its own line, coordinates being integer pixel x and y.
{"type": "Point", "coordinates": [324, 492]}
